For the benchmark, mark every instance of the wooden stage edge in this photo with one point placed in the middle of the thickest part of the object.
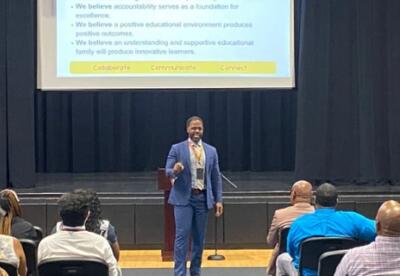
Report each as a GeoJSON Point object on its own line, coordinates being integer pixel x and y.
{"type": "Point", "coordinates": [233, 258]}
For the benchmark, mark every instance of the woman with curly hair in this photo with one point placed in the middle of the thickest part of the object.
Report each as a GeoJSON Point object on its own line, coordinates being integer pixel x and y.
{"type": "Point", "coordinates": [12, 222]}
{"type": "Point", "coordinates": [95, 223]}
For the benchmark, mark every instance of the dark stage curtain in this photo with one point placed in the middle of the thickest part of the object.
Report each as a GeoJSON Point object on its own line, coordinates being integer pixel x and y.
{"type": "Point", "coordinates": [3, 96]}
{"type": "Point", "coordinates": [115, 131]}
{"type": "Point", "coordinates": [348, 104]}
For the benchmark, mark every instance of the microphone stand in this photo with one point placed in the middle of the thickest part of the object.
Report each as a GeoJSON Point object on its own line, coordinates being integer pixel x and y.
{"type": "Point", "coordinates": [216, 256]}
{"type": "Point", "coordinates": [227, 180]}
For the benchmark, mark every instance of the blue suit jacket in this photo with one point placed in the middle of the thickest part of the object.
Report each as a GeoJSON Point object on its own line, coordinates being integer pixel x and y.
{"type": "Point", "coordinates": [181, 190]}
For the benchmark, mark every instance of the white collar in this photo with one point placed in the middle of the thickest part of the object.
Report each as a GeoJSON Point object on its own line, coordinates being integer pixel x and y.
{"type": "Point", "coordinates": [73, 228]}
{"type": "Point", "coordinates": [200, 143]}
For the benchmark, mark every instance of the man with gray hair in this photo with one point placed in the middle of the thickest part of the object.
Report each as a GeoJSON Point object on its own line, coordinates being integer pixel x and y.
{"type": "Point", "coordinates": [326, 221]}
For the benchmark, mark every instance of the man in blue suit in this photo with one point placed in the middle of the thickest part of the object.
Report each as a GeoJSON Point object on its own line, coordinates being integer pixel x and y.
{"type": "Point", "coordinates": [192, 166]}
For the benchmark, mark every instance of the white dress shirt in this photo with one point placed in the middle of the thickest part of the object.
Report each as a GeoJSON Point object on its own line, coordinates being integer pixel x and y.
{"type": "Point", "coordinates": [81, 243]}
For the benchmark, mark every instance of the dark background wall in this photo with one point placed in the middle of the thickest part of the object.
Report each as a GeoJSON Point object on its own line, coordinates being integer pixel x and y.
{"type": "Point", "coordinates": [339, 124]}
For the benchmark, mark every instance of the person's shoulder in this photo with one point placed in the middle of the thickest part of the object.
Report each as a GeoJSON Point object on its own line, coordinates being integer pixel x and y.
{"type": "Point", "coordinates": [351, 214]}
{"type": "Point", "coordinates": [7, 238]}
{"type": "Point", "coordinates": [104, 223]}
{"type": "Point", "coordinates": [356, 252]}
{"type": "Point", "coordinates": [111, 227]}
{"type": "Point", "coordinates": [179, 144]}
{"type": "Point", "coordinates": [294, 210]}
{"type": "Point", "coordinates": [94, 237]}
{"type": "Point", "coordinates": [20, 220]}
{"type": "Point", "coordinates": [304, 218]}
{"type": "Point", "coordinates": [210, 147]}
{"type": "Point", "coordinates": [283, 211]}
{"type": "Point", "coordinates": [51, 237]}
{"type": "Point", "coordinates": [22, 229]}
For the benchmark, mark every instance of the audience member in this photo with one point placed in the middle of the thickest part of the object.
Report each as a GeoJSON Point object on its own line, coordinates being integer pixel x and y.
{"type": "Point", "coordinates": [381, 257]}
{"type": "Point", "coordinates": [73, 240]}
{"type": "Point", "coordinates": [325, 221]}
{"type": "Point", "coordinates": [13, 224]}
{"type": "Point", "coordinates": [300, 198]}
{"type": "Point", "coordinates": [95, 223]}
{"type": "Point", "coordinates": [11, 249]}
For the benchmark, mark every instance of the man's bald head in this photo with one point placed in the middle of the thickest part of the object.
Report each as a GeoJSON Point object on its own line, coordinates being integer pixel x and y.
{"type": "Point", "coordinates": [388, 219]}
{"type": "Point", "coordinates": [301, 192]}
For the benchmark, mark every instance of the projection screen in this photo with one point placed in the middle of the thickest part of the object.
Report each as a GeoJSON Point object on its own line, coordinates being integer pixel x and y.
{"type": "Point", "coordinates": [136, 44]}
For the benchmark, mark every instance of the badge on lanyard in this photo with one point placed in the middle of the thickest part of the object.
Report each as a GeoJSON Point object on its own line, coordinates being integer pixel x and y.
{"type": "Point", "coordinates": [199, 173]}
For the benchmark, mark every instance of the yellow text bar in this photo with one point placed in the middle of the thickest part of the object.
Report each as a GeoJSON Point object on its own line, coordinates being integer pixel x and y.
{"type": "Point", "coordinates": [172, 67]}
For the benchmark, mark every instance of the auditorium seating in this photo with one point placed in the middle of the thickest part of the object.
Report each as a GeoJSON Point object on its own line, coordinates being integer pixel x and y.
{"type": "Point", "coordinates": [30, 250]}
{"type": "Point", "coordinates": [282, 239]}
{"type": "Point", "coordinates": [11, 269]}
{"type": "Point", "coordinates": [312, 248]}
{"type": "Point", "coordinates": [39, 233]}
{"type": "Point", "coordinates": [328, 262]}
{"type": "Point", "coordinates": [73, 267]}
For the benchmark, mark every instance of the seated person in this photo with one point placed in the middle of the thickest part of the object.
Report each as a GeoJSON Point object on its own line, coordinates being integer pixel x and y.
{"type": "Point", "coordinates": [11, 250]}
{"type": "Point", "coordinates": [381, 257]}
{"type": "Point", "coordinates": [73, 240]}
{"type": "Point", "coordinates": [326, 222]}
{"type": "Point", "coordinates": [300, 198]}
{"type": "Point", "coordinates": [13, 224]}
{"type": "Point", "coordinates": [95, 223]}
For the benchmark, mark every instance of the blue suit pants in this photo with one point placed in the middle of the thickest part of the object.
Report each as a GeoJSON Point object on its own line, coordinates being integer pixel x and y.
{"type": "Point", "coordinates": [191, 220]}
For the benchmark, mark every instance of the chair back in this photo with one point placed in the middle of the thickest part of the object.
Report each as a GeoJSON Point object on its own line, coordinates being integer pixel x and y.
{"type": "Point", "coordinates": [39, 233]}
{"type": "Point", "coordinates": [328, 262]}
{"type": "Point", "coordinates": [73, 267]}
{"type": "Point", "coordinates": [30, 250]}
{"type": "Point", "coordinates": [312, 248]}
{"type": "Point", "coordinates": [282, 239]}
{"type": "Point", "coordinates": [10, 268]}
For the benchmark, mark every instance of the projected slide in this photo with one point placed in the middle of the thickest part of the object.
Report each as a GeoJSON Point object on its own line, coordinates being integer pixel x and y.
{"type": "Point", "coordinates": [165, 44]}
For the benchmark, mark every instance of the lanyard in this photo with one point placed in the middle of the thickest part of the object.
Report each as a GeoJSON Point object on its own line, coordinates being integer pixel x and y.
{"type": "Point", "coordinates": [197, 152]}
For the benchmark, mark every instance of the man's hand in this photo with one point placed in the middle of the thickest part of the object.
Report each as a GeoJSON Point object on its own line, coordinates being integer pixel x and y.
{"type": "Point", "coordinates": [219, 209]}
{"type": "Point", "coordinates": [178, 167]}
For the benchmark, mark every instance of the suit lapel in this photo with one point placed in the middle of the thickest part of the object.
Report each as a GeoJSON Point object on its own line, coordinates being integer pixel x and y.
{"type": "Point", "coordinates": [186, 155]}
{"type": "Point", "coordinates": [208, 156]}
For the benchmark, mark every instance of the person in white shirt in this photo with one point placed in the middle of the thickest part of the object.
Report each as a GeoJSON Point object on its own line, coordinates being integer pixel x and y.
{"type": "Point", "coordinates": [73, 240]}
{"type": "Point", "coordinates": [95, 223]}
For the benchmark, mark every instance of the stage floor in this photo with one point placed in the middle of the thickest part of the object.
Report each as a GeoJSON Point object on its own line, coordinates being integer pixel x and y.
{"type": "Point", "coordinates": [145, 184]}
